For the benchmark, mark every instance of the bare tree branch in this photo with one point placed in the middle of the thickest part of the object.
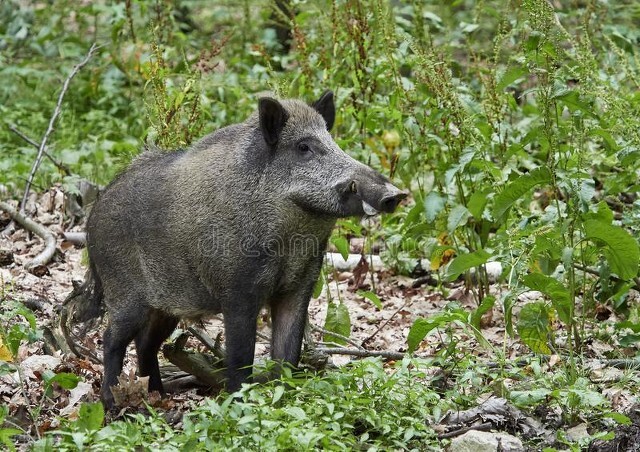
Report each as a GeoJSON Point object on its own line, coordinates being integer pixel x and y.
{"type": "Point", "coordinates": [52, 121]}
{"type": "Point", "coordinates": [62, 167]}
{"type": "Point", "coordinates": [49, 240]}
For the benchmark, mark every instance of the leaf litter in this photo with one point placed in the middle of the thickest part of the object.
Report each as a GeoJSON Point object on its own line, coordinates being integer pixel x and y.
{"type": "Point", "coordinates": [385, 329]}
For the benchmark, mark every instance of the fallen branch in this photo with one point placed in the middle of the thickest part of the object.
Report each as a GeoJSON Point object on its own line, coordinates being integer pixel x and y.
{"type": "Point", "coordinates": [204, 367]}
{"type": "Point", "coordinates": [359, 353]}
{"type": "Point", "coordinates": [484, 427]}
{"type": "Point", "coordinates": [215, 346]}
{"type": "Point", "coordinates": [52, 121]}
{"type": "Point", "coordinates": [49, 240]}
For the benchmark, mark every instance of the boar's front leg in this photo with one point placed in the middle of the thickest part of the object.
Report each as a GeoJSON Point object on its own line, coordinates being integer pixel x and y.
{"type": "Point", "coordinates": [240, 320]}
{"type": "Point", "coordinates": [288, 318]}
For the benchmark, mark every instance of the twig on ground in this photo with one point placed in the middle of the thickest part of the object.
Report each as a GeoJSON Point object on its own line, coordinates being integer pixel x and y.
{"type": "Point", "coordinates": [486, 426]}
{"type": "Point", "coordinates": [404, 305]}
{"type": "Point", "coordinates": [62, 167]}
{"type": "Point", "coordinates": [318, 329]}
{"type": "Point", "coordinates": [49, 240]}
{"type": "Point", "coordinates": [52, 121]}
{"type": "Point", "coordinates": [359, 353]}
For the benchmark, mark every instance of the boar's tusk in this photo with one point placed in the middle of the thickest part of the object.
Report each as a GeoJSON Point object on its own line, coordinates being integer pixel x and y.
{"type": "Point", "coordinates": [368, 209]}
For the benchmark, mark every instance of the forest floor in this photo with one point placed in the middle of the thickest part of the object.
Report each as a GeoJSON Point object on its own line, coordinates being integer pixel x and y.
{"type": "Point", "coordinates": [372, 330]}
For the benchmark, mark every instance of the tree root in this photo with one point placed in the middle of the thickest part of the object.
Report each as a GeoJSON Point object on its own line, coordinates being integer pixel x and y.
{"type": "Point", "coordinates": [45, 255]}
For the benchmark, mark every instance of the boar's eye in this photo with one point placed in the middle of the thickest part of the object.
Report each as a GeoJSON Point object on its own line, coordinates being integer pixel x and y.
{"type": "Point", "coordinates": [304, 148]}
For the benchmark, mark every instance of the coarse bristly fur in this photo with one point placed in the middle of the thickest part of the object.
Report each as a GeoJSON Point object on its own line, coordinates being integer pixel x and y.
{"type": "Point", "coordinates": [238, 221]}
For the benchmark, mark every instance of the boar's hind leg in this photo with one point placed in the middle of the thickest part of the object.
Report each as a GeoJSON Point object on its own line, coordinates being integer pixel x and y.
{"type": "Point", "coordinates": [123, 326]}
{"type": "Point", "coordinates": [149, 339]}
{"type": "Point", "coordinates": [288, 317]}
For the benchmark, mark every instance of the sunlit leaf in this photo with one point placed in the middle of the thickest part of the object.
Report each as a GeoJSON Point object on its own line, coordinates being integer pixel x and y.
{"type": "Point", "coordinates": [458, 216]}
{"type": "Point", "coordinates": [518, 188]}
{"type": "Point", "coordinates": [433, 205]}
{"type": "Point", "coordinates": [555, 290]}
{"type": "Point", "coordinates": [372, 297]}
{"type": "Point", "coordinates": [621, 249]}
{"type": "Point", "coordinates": [465, 262]}
{"type": "Point", "coordinates": [534, 327]}
{"type": "Point", "coordinates": [338, 321]}
{"type": "Point", "coordinates": [342, 245]}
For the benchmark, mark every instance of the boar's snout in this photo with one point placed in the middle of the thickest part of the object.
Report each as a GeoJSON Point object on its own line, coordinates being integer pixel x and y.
{"type": "Point", "coordinates": [390, 201]}
{"type": "Point", "coordinates": [370, 196]}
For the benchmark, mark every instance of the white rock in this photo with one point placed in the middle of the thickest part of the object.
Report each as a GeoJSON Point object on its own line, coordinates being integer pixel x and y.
{"type": "Point", "coordinates": [74, 397]}
{"type": "Point", "coordinates": [37, 363]}
{"type": "Point", "coordinates": [493, 269]}
{"type": "Point", "coordinates": [578, 432]}
{"type": "Point", "coordinates": [337, 262]}
{"type": "Point", "coordinates": [477, 441]}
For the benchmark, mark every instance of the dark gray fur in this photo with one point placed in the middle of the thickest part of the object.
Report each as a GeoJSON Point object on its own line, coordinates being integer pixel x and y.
{"type": "Point", "coordinates": [238, 221]}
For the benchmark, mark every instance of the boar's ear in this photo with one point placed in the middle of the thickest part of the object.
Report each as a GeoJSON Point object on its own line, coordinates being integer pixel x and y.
{"type": "Point", "coordinates": [273, 117]}
{"type": "Point", "coordinates": [326, 108]}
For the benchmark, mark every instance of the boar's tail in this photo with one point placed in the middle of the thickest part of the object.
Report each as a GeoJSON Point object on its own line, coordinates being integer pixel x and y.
{"type": "Point", "coordinates": [83, 306]}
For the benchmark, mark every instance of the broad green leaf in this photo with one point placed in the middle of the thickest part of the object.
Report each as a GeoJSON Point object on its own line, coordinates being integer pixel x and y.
{"type": "Point", "coordinates": [621, 250]}
{"type": "Point", "coordinates": [507, 303]}
{"type": "Point", "coordinates": [477, 202]}
{"type": "Point", "coordinates": [90, 417]}
{"type": "Point", "coordinates": [457, 217]}
{"type": "Point", "coordinates": [618, 417]}
{"type": "Point", "coordinates": [588, 398]}
{"type": "Point", "coordinates": [342, 245]}
{"type": "Point", "coordinates": [319, 286]}
{"type": "Point", "coordinates": [587, 190]}
{"type": "Point", "coordinates": [633, 326]}
{"type": "Point", "coordinates": [629, 340]}
{"type": "Point", "coordinates": [338, 321]}
{"type": "Point", "coordinates": [464, 262]}
{"type": "Point", "coordinates": [602, 213]}
{"type": "Point", "coordinates": [485, 306]}
{"type": "Point", "coordinates": [421, 327]}
{"type": "Point", "coordinates": [534, 327]}
{"type": "Point", "coordinates": [514, 190]}
{"type": "Point", "coordinates": [277, 394]}
{"type": "Point", "coordinates": [412, 217]}
{"type": "Point", "coordinates": [510, 76]}
{"type": "Point", "coordinates": [607, 138]}
{"type": "Point", "coordinates": [65, 379]}
{"type": "Point", "coordinates": [571, 98]}
{"type": "Point", "coordinates": [372, 297]}
{"type": "Point", "coordinates": [532, 397]}
{"type": "Point", "coordinates": [555, 290]}
{"type": "Point", "coordinates": [296, 412]}
{"type": "Point", "coordinates": [433, 205]}
{"type": "Point", "coordinates": [6, 435]}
